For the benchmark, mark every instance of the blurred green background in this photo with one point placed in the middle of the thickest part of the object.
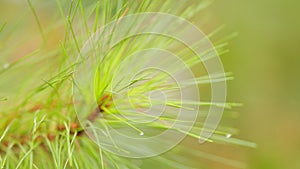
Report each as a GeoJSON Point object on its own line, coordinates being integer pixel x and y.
{"type": "Point", "coordinates": [265, 60]}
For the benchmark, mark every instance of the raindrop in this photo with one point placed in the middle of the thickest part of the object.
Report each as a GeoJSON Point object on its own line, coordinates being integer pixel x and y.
{"type": "Point", "coordinates": [5, 66]}
{"type": "Point", "coordinates": [228, 135]}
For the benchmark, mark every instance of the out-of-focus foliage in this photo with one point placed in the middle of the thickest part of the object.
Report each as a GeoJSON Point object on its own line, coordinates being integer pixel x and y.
{"type": "Point", "coordinates": [266, 60]}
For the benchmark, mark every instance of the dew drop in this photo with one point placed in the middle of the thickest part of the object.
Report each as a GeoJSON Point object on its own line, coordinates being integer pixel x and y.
{"type": "Point", "coordinates": [5, 66]}
{"type": "Point", "coordinates": [141, 133]}
{"type": "Point", "coordinates": [228, 135]}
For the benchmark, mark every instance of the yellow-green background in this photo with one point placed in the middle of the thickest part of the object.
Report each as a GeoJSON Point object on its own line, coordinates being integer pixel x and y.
{"type": "Point", "coordinates": [265, 60]}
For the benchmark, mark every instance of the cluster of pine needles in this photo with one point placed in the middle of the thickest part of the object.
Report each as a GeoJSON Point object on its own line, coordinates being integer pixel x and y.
{"type": "Point", "coordinates": [39, 127]}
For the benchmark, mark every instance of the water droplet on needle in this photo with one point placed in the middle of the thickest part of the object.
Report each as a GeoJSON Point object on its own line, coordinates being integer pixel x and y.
{"type": "Point", "coordinates": [5, 66]}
